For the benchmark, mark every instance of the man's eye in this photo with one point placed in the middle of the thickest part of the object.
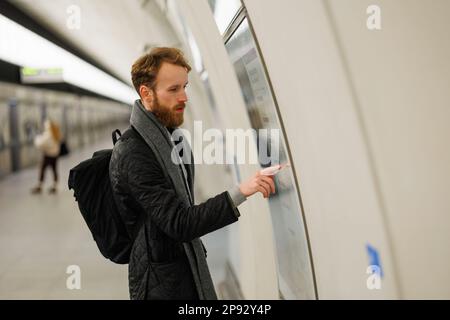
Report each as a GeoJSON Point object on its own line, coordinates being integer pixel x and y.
{"type": "Point", "coordinates": [173, 89]}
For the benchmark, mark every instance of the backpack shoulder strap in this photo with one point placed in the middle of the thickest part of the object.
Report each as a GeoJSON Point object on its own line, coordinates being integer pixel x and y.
{"type": "Point", "coordinates": [116, 133]}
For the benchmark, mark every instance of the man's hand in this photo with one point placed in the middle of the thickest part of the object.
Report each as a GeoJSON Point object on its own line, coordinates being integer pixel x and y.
{"type": "Point", "coordinates": [258, 183]}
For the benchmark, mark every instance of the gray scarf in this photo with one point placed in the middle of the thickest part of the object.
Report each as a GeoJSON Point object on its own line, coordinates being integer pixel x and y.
{"type": "Point", "coordinates": [157, 138]}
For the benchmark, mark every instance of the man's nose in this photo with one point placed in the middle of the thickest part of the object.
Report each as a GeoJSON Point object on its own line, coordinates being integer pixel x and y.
{"type": "Point", "coordinates": [183, 96]}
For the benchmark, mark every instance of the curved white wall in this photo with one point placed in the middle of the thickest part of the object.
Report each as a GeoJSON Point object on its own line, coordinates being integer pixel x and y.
{"type": "Point", "coordinates": [366, 113]}
{"type": "Point", "coordinates": [401, 77]}
{"type": "Point", "coordinates": [342, 209]}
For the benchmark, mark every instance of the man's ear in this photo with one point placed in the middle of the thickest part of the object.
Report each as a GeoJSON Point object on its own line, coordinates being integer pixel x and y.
{"type": "Point", "coordinates": [146, 93]}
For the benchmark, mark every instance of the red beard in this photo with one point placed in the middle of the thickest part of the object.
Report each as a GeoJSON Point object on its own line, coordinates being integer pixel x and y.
{"type": "Point", "coordinates": [169, 117]}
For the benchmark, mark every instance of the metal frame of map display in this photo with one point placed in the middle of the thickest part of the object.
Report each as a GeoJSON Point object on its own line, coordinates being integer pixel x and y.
{"type": "Point", "coordinates": [295, 270]}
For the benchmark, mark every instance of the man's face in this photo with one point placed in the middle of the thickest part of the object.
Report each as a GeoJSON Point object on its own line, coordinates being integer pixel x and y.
{"type": "Point", "coordinates": [168, 100]}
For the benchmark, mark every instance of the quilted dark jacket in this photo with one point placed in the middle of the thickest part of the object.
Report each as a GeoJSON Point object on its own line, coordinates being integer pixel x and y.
{"type": "Point", "coordinates": [158, 267]}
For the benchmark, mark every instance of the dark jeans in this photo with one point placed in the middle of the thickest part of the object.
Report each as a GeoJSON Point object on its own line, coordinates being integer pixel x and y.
{"type": "Point", "coordinates": [49, 161]}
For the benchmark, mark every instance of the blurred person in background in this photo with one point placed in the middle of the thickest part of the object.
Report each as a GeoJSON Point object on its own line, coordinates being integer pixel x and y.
{"type": "Point", "coordinates": [49, 143]}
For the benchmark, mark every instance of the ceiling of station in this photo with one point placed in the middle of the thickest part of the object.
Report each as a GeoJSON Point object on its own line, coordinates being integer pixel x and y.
{"type": "Point", "coordinates": [114, 33]}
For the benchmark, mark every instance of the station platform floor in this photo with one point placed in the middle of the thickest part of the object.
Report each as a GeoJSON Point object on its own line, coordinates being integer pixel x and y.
{"type": "Point", "coordinates": [42, 235]}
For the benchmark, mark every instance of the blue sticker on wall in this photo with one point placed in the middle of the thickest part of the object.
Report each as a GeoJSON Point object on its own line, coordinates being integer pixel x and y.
{"type": "Point", "coordinates": [374, 259]}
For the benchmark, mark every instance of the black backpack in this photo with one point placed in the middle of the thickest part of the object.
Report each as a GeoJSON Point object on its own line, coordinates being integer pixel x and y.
{"type": "Point", "coordinates": [93, 192]}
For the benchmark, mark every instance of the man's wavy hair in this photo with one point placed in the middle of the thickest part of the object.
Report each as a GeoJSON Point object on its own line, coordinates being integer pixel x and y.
{"type": "Point", "coordinates": [145, 70]}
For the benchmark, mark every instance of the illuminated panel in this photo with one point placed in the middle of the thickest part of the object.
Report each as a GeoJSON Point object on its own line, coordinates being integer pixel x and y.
{"type": "Point", "coordinates": [294, 266]}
